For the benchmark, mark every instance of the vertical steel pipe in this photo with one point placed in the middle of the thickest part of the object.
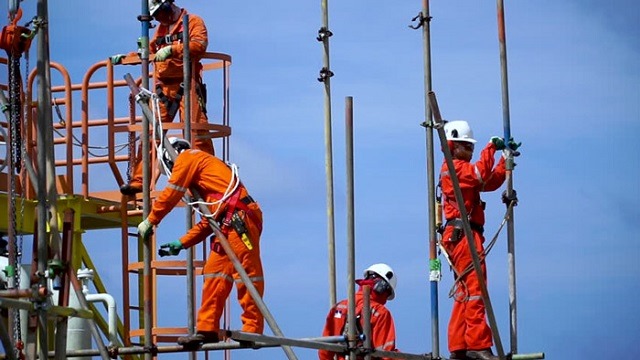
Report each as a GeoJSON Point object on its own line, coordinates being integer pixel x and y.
{"type": "Point", "coordinates": [434, 262]}
{"type": "Point", "coordinates": [186, 81]}
{"type": "Point", "coordinates": [506, 121]}
{"type": "Point", "coordinates": [328, 144]}
{"type": "Point", "coordinates": [366, 320]}
{"type": "Point", "coordinates": [351, 258]}
{"type": "Point", "coordinates": [147, 281]}
{"type": "Point", "coordinates": [45, 152]}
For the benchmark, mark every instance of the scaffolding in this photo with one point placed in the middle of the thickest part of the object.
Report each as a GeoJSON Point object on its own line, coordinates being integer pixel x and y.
{"type": "Point", "coordinates": [50, 173]}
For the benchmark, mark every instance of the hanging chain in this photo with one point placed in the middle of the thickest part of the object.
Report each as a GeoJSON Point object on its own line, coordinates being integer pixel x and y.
{"type": "Point", "coordinates": [14, 118]}
{"type": "Point", "coordinates": [132, 138]}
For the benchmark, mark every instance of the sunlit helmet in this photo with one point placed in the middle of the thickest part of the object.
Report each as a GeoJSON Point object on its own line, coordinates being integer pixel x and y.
{"type": "Point", "coordinates": [385, 272]}
{"type": "Point", "coordinates": [459, 130]}
{"type": "Point", "coordinates": [179, 145]}
{"type": "Point", "coordinates": [155, 5]}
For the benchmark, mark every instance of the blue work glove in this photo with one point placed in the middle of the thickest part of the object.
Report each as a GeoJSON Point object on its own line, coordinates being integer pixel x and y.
{"type": "Point", "coordinates": [145, 228]}
{"type": "Point", "coordinates": [498, 142]}
{"type": "Point", "coordinates": [174, 248]}
{"type": "Point", "coordinates": [163, 54]}
{"type": "Point", "coordinates": [513, 145]}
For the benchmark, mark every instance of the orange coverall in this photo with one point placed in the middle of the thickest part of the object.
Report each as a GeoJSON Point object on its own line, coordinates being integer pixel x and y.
{"type": "Point", "coordinates": [383, 331]}
{"type": "Point", "coordinates": [210, 177]}
{"type": "Point", "coordinates": [468, 329]}
{"type": "Point", "coordinates": [169, 75]}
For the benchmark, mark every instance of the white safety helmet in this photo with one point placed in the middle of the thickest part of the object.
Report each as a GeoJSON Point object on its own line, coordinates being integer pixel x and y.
{"type": "Point", "coordinates": [385, 272]}
{"type": "Point", "coordinates": [459, 130]}
{"type": "Point", "coordinates": [179, 146]}
{"type": "Point", "coordinates": [155, 5]}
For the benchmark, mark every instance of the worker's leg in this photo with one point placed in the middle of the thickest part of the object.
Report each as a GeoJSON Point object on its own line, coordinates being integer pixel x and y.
{"type": "Point", "coordinates": [218, 282]}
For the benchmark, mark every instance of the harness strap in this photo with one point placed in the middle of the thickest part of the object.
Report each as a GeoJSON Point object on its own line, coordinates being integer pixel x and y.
{"type": "Point", "coordinates": [233, 204]}
{"type": "Point", "coordinates": [474, 226]}
{"type": "Point", "coordinates": [172, 106]}
{"type": "Point", "coordinates": [168, 39]}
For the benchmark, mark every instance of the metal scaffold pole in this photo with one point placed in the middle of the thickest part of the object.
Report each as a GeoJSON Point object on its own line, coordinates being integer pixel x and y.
{"type": "Point", "coordinates": [434, 213]}
{"type": "Point", "coordinates": [46, 177]}
{"type": "Point", "coordinates": [510, 193]}
{"type": "Point", "coordinates": [351, 257]}
{"type": "Point", "coordinates": [143, 49]}
{"type": "Point", "coordinates": [186, 80]}
{"type": "Point", "coordinates": [325, 77]}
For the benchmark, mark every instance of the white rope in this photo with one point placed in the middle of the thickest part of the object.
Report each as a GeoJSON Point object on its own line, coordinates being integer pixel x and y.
{"type": "Point", "coordinates": [234, 182]}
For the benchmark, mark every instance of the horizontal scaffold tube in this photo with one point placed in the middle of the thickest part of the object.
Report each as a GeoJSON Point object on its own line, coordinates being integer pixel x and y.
{"type": "Point", "coordinates": [532, 356]}
{"type": "Point", "coordinates": [55, 310]}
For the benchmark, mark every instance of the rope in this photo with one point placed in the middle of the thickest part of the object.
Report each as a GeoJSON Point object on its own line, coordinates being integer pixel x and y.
{"type": "Point", "coordinates": [234, 182]}
{"type": "Point", "coordinates": [460, 275]}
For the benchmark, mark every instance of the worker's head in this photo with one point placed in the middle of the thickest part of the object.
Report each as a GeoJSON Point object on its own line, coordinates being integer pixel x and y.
{"type": "Point", "coordinates": [161, 10]}
{"type": "Point", "coordinates": [179, 145]}
{"type": "Point", "coordinates": [460, 139]}
{"type": "Point", "coordinates": [384, 278]}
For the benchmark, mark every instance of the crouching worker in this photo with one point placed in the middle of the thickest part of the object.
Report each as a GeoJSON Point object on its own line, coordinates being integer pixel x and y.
{"type": "Point", "coordinates": [240, 219]}
{"type": "Point", "coordinates": [382, 281]}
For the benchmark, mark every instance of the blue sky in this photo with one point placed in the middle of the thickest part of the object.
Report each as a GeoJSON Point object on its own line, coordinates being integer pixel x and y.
{"type": "Point", "coordinates": [575, 104]}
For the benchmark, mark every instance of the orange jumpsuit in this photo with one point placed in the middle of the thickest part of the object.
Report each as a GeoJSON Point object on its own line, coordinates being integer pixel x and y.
{"type": "Point", "coordinates": [169, 74]}
{"type": "Point", "coordinates": [468, 329]}
{"type": "Point", "coordinates": [383, 331]}
{"type": "Point", "coordinates": [210, 177]}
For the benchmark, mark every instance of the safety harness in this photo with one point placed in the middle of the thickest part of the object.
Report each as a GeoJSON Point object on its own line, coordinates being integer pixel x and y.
{"type": "Point", "coordinates": [172, 105]}
{"type": "Point", "coordinates": [169, 39]}
{"type": "Point", "coordinates": [230, 218]}
{"type": "Point", "coordinates": [458, 228]}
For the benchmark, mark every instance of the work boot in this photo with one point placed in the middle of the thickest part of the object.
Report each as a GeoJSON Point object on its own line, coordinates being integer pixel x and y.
{"type": "Point", "coordinates": [130, 189]}
{"type": "Point", "coordinates": [201, 337]}
{"type": "Point", "coordinates": [458, 355]}
{"type": "Point", "coordinates": [484, 354]}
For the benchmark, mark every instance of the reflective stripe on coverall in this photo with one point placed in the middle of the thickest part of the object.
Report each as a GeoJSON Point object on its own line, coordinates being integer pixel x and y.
{"type": "Point", "coordinates": [169, 74]}
{"type": "Point", "coordinates": [468, 329]}
{"type": "Point", "coordinates": [383, 331]}
{"type": "Point", "coordinates": [210, 177]}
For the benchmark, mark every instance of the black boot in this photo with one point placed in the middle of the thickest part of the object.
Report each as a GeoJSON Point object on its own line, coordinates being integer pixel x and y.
{"type": "Point", "coordinates": [458, 355]}
{"type": "Point", "coordinates": [484, 354]}
{"type": "Point", "coordinates": [130, 190]}
{"type": "Point", "coordinates": [201, 337]}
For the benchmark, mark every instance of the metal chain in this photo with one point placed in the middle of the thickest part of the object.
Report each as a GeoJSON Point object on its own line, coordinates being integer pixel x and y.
{"type": "Point", "coordinates": [132, 139]}
{"type": "Point", "coordinates": [14, 115]}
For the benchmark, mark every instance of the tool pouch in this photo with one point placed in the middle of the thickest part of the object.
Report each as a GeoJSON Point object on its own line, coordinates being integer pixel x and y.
{"type": "Point", "coordinates": [238, 224]}
{"type": "Point", "coordinates": [458, 230]}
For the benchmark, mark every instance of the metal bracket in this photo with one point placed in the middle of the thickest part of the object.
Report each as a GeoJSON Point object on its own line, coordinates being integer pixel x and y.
{"type": "Point", "coordinates": [324, 34]}
{"type": "Point", "coordinates": [421, 21]}
{"type": "Point", "coordinates": [325, 74]}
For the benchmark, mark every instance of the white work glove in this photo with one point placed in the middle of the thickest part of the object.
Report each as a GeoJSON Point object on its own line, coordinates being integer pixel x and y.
{"type": "Point", "coordinates": [163, 54]}
{"type": "Point", "coordinates": [145, 228]}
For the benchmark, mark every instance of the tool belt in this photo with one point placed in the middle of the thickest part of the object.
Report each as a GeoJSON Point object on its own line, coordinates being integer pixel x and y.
{"type": "Point", "coordinates": [458, 229]}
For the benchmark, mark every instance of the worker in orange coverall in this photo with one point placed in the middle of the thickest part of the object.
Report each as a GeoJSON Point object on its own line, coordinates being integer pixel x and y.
{"type": "Point", "coordinates": [382, 280]}
{"type": "Point", "coordinates": [240, 219]}
{"type": "Point", "coordinates": [168, 47]}
{"type": "Point", "coordinates": [469, 334]}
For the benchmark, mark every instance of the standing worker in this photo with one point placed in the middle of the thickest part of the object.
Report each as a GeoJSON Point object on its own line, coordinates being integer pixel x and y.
{"type": "Point", "coordinates": [240, 220]}
{"type": "Point", "coordinates": [382, 281]}
{"type": "Point", "coordinates": [168, 76]}
{"type": "Point", "coordinates": [469, 334]}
